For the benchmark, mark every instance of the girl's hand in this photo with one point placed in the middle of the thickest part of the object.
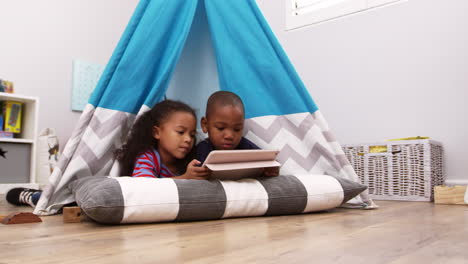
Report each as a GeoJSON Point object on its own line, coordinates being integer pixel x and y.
{"type": "Point", "coordinates": [194, 172]}
{"type": "Point", "coordinates": [271, 171]}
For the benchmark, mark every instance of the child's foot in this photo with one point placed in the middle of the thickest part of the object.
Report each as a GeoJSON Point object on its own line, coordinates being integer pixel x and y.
{"type": "Point", "coordinates": [23, 196]}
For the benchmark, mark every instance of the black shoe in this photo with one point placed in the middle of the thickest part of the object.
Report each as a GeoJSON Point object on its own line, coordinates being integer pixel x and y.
{"type": "Point", "coordinates": [23, 196]}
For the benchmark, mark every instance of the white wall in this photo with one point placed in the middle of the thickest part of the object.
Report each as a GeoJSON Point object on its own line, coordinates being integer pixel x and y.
{"type": "Point", "coordinates": [39, 40]}
{"type": "Point", "coordinates": [394, 72]}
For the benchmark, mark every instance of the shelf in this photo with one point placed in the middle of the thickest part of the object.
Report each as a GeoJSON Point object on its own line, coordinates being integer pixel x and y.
{"type": "Point", "coordinates": [16, 140]}
{"type": "Point", "coordinates": [17, 97]}
{"type": "Point", "coordinates": [29, 115]}
{"type": "Point", "coordinates": [13, 172]}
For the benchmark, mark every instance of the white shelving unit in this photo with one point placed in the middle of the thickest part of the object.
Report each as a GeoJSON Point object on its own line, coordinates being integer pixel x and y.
{"type": "Point", "coordinates": [28, 135]}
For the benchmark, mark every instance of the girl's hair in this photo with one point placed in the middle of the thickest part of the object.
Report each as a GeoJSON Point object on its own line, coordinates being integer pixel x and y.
{"type": "Point", "coordinates": [141, 139]}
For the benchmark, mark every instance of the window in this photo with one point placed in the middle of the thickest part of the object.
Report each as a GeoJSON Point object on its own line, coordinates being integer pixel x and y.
{"type": "Point", "coordinates": [301, 13]}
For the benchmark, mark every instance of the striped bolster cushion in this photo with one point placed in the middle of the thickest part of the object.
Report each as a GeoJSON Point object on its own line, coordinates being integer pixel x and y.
{"type": "Point", "coordinates": [143, 200]}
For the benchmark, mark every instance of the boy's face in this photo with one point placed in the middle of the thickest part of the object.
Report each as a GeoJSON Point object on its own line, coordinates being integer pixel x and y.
{"type": "Point", "coordinates": [224, 126]}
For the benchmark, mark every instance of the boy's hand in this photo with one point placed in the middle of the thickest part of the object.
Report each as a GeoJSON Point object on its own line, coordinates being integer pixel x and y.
{"type": "Point", "coordinates": [271, 171]}
{"type": "Point", "coordinates": [194, 172]}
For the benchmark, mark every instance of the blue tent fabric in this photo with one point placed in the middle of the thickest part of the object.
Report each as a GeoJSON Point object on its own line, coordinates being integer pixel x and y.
{"type": "Point", "coordinates": [249, 58]}
{"type": "Point", "coordinates": [250, 62]}
{"type": "Point", "coordinates": [139, 71]}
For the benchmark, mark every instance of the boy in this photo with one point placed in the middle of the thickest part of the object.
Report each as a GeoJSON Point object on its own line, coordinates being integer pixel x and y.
{"type": "Point", "coordinates": [224, 123]}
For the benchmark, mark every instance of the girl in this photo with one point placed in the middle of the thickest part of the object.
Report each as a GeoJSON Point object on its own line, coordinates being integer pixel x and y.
{"type": "Point", "coordinates": [160, 144]}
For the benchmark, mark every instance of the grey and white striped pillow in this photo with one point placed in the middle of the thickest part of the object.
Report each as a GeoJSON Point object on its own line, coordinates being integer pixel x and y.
{"type": "Point", "coordinates": [116, 200]}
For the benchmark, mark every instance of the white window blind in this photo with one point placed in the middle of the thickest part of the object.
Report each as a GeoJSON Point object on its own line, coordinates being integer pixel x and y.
{"type": "Point", "coordinates": [305, 6]}
{"type": "Point", "coordinates": [301, 13]}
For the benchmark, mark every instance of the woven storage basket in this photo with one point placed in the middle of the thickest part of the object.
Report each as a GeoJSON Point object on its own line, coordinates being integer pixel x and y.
{"type": "Point", "coordinates": [408, 170]}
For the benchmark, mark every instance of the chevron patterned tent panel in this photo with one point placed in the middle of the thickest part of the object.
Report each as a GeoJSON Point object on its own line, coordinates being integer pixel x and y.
{"type": "Point", "coordinates": [305, 142]}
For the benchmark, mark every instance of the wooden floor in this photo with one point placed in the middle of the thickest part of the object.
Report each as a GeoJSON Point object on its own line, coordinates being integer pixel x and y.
{"type": "Point", "coordinates": [397, 232]}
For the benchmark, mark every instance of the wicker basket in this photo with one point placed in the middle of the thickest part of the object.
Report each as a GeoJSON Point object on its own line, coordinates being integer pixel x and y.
{"type": "Point", "coordinates": [406, 170]}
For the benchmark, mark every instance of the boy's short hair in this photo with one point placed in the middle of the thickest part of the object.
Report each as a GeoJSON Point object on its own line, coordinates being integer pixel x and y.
{"type": "Point", "coordinates": [223, 98]}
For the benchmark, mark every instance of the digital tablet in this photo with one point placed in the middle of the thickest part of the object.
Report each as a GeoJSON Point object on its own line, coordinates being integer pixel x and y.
{"type": "Point", "coordinates": [238, 164]}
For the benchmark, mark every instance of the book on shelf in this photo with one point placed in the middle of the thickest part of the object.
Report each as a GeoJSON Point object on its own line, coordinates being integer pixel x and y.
{"type": "Point", "coordinates": [3, 134]}
{"type": "Point", "coordinates": [12, 112]}
{"type": "Point", "coordinates": [2, 127]}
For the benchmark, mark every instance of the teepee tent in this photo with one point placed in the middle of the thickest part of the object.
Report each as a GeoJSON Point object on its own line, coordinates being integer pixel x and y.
{"type": "Point", "coordinates": [280, 113]}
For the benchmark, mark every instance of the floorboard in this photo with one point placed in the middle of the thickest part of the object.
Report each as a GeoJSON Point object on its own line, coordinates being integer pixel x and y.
{"type": "Point", "coordinates": [397, 232]}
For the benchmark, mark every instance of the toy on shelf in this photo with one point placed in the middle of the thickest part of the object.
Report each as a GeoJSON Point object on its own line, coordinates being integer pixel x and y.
{"type": "Point", "coordinates": [6, 86]}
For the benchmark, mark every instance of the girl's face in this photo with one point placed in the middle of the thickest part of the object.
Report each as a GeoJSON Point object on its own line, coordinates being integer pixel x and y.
{"type": "Point", "coordinates": [176, 136]}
